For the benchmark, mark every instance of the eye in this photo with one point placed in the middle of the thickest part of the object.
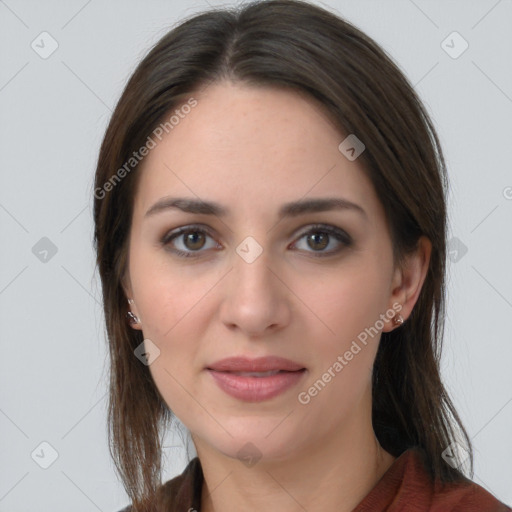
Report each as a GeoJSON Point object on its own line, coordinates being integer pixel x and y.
{"type": "Point", "coordinates": [192, 239]}
{"type": "Point", "coordinates": [319, 236]}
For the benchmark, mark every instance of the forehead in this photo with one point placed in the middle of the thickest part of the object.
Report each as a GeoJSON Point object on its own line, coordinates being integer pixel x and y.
{"type": "Point", "coordinates": [250, 146]}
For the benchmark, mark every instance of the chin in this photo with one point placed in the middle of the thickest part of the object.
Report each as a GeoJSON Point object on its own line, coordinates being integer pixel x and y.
{"type": "Point", "coordinates": [250, 443]}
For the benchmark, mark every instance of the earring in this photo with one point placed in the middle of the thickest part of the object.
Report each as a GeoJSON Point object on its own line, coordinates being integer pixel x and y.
{"type": "Point", "coordinates": [130, 301]}
{"type": "Point", "coordinates": [398, 319]}
{"type": "Point", "coordinates": [133, 319]}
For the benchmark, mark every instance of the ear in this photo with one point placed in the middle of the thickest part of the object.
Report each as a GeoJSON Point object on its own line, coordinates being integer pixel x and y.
{"type": "Point", "coordinates": [408, 280]}
{"type": "Point", "coordinates": [130, 306]}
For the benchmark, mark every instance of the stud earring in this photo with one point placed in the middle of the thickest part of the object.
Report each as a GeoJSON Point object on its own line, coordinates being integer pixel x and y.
{"type": "Point", "coordinates": [398, 319]}
{"type": "Point", "coordinates": [130, 301]}
{"type": "Point", "coordinates": [133, 319]}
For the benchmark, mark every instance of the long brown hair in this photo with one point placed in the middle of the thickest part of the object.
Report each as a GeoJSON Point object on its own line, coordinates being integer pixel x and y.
{"type": "Point", "coordinates": [286, 43]}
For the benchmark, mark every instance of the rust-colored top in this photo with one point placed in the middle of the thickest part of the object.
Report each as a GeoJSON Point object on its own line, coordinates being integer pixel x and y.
{"type": "Point", "coordinates": [405, 487]}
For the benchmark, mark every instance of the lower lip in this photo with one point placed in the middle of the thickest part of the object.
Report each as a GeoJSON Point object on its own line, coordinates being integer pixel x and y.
{"type": "Point", "coordinates": [256, 389]}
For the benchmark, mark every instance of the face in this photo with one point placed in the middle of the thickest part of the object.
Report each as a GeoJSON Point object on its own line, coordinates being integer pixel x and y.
{"type": "Point", "coordinates": [250, 282]}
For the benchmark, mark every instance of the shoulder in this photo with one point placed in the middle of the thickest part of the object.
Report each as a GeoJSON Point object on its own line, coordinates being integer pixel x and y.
{"type": "Point", "coordinates": [407, 487]}
{"type": "Point", "coordinates": [466, 496]}
{"type": "Point", "coordinates": [183, 492]}
{"type": "Point", "coordinates": [461, 496]}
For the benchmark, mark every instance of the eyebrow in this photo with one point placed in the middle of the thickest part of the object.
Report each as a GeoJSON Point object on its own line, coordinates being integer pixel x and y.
{"type": "Point", "coordinates": [292, 209]}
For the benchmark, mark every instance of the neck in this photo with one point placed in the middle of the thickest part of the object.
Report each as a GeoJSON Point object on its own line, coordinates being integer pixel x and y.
{"type": "Point", "coordinates": [333, 474]}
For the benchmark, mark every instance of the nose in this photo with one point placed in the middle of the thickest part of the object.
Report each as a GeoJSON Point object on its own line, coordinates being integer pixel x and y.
{"type": "Point", "coordinates": [256, 298]}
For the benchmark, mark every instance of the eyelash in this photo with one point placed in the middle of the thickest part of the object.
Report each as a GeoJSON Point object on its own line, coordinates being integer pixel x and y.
{"type": "Point", "coordinates": [340, 235]}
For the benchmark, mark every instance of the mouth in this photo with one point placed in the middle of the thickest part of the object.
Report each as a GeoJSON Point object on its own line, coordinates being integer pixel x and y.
{"type": "Point", "coordinates": [258, 366]}
{"type": "Point", "coordinates": [258, 374]}
{"type": "Point", "coordinates": [256, 386]}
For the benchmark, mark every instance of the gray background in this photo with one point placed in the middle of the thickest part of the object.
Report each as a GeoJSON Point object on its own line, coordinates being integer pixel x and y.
{"type": "Point", "coordinates": [53, 115]}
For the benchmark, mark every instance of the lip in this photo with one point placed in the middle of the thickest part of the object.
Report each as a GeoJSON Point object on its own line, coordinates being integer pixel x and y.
{"type": "Point", "coordinates": [259, 364]}
{"type": "Point", "coordinates": [256, 389]}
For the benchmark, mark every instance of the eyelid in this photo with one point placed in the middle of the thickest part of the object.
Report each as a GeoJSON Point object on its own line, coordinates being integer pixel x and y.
{"type": "Point", "coordinates": [339, 234]}
{"type": "Point", "coordinates": [327, 228]}
{"type": "Point", "coordinates": [170, 235]}
{"type": "Point", "coordinates": [176, 233]}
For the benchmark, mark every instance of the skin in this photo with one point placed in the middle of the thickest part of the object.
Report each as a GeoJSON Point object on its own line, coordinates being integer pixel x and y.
{"type": "Point", "coordinates": [252, 149]}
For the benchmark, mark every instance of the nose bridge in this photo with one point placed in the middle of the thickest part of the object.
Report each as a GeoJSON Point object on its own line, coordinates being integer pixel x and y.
{"type": "Point", "coordinates": [252, 264]}
{"type": "Point", "coordinates": [255, 297]}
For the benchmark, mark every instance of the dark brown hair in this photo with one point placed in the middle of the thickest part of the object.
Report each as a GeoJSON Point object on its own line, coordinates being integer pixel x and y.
{"type": "Point", "coordinates": [293, 44]}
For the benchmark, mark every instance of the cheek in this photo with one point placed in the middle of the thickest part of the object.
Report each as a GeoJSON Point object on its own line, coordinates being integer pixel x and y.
{"type": "Point", "coordinates": [347, 337]}
{"type": "Point", "coordinates": [351, 300]}
{"type": "Point", "coordinates": [172, 301]}
{"type": "Point", "coordinates": [345, 341]}
{"type": "Point", "coordinates": [166, 292]}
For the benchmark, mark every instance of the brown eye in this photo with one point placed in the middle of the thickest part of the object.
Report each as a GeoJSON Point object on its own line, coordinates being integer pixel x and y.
{"type": "Point", "coordinates": [189, 240]}
{"type": "Point", "coordinates": [194, 240]}
{"type": "Point", "coordinates": [318, 240]}
{"type": "Point", "coordinates": [320, 236]}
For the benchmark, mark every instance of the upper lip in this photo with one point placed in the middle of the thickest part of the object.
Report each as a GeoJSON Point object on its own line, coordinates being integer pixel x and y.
{"type": "Point", "coordinates": [260, 364]}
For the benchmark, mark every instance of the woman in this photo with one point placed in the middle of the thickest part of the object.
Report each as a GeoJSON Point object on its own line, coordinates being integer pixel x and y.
{"type": "Point", "coordinates": [270, 229]}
